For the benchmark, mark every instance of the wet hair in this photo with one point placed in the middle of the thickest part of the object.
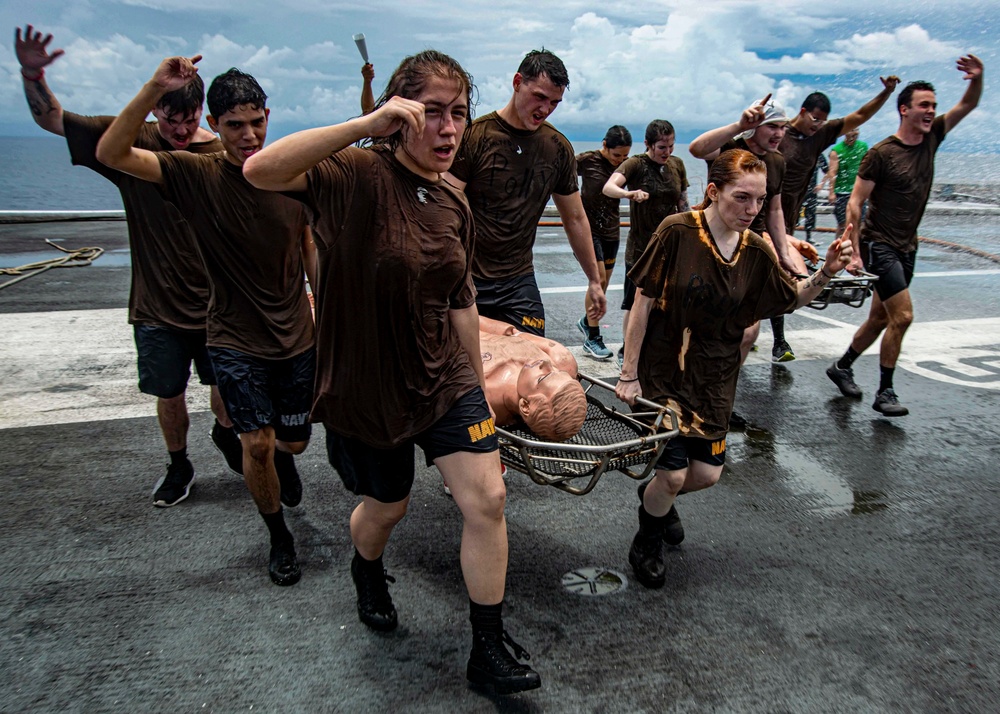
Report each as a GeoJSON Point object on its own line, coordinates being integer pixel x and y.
{"type": "Point", "coordinates": [410, 77]}
{"type": "Point", "coordinates": [728, 168]}
{"type": "Point", "coordinates": [539, 62]}
{"type": "Point", "coordinates": [906, 96]}
{"type": "Point", "coordinates": [816, 100]}
{"type": "Point", "coordinates": [233, 89]}
{"type": "Point", "coordinates": [561, 417]}
{"type": "Point", "coordinates": [185, 101]}
{"type": "Point", "coordinates": [617, 136]}
{"type": "Point", "coordinates": [658, 128]}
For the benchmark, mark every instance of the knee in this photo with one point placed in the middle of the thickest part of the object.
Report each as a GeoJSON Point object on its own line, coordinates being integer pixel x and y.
{"type": "Point", "coordinates": [488, 502]}
{"type": "Point", "coordinates": [259, 445]}
{"type": "Point", "coordinates": [901, 319]}
{"type": "Point", "coordinates": [294, 447]}
{"type": "Point", "coordinates": [385, 515]}
{"type": "Point", "coordinates": [671, 481]}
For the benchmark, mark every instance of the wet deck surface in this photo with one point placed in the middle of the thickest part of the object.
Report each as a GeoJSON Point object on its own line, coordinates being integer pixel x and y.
{"type": "Point", "coordinates": [845, 562]}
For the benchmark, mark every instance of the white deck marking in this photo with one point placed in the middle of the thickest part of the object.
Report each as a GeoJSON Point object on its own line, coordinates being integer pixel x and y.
{"type": "Point", "coordinates": [78, 366]}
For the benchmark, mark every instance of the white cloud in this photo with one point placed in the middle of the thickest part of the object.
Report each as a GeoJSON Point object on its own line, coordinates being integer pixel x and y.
{"type": "Point", "coordinates": [905, 46]}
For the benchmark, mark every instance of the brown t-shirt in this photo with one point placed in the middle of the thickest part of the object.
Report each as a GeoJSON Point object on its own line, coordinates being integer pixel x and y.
{"type": "Point", "coordinates": [169, 284]}
{"type": "Point", "coordinates": [775, 164]}
{"type": "Point", "coordinates": [510, 175]}
{"type": "Point", "coordinates": [251, 241]}
{"type": "Point", "coordinates": [801, 153]}
{"type": "Point", "coordinates": [602, 211]}
{"type": "Point", "coordinates": [665, 185]}
{"type": "Point", "coordinates": [903, 176]}
{"type": "Point", "coordinates": [690, 356]}
{"type": "Point", "coordinates": [394, 259]}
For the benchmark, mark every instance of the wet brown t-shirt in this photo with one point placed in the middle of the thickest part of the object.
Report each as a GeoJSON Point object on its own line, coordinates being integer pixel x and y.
{"type": "Point", "coordinates": [169, 284]}
{"type": "Point", "coordinates": [602, 211]}
{"type": "Point", "coordinates": [903, 176]}
{"type": "Point", "coordinates": [665, 185]}
{"type": "Point", "coordinates": [251, 241]}
{"type": "Point", "coordinates": [775, 164]}
{"type": "Point", "coordinates": [394, 259]}
{"type": "Point", "coordinates": [801, 153]}
{"type": "Point", "coordinates": [690, 356]}
{"type": "Point", "coordinates": [510, 175]}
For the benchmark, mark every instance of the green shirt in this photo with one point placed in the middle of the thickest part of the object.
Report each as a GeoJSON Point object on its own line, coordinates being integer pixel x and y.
{"type": "Point", "coordinates": [850, 160]}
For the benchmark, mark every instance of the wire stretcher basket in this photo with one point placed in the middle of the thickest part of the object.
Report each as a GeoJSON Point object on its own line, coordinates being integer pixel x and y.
{"type": "Point", "coordinates": [847, 289]}
{"type": "Point", "coordinates": [610, 440]}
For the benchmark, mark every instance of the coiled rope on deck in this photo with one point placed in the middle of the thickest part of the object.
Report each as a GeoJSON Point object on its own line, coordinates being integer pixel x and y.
{"type": "Point", "coordinates": [74, 257]}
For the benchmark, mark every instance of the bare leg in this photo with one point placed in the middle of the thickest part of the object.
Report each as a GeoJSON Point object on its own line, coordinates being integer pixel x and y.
{"type": "Point", "coordinates": [258, 469]}
{"type": "Point", "coordinates": [372, 523]}
{"type": "Point", "coordinates": [749, 337]}
{"type": "Point", "coordinates": [871, 328]}
{"type": "Point", "coordinates": [219, 408]}
{"type": "Point", "coordinates": [900, 311]}
{"type": "Point", "coordinates": [480, 494]}
{"type": "Point", "coordinates": [663, 489]}
{"type": "Point", "coordinates": [174, 421]}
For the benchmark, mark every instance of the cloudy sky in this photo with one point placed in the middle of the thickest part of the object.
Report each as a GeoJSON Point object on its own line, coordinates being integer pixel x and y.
{"type": "Point", "coordinates": [697, 63]}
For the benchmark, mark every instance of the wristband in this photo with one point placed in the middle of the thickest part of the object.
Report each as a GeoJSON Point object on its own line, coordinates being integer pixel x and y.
{"type": "Point", "coordinates": [620, 380]}
{"type": "Point", "coordinates": [41, 73]}
{"type": "Point", "coordinates": [831, 277]}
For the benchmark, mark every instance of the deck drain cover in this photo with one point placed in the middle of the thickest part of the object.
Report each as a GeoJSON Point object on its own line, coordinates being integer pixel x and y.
{"type": "Point", "coordinates": [594, 581]}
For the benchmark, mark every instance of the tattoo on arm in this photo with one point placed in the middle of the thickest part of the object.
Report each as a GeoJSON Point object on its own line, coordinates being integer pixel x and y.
{"type": "Point", "coordinates": [818, 279]}
{"type": "Point", "coordinates": [39, 99]}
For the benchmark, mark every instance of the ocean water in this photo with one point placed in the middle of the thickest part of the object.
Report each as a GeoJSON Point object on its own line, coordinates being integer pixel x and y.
{"type": "Point", "coordinates": [36, 174]}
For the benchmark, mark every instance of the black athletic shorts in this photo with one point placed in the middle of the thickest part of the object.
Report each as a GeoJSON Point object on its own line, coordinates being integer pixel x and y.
{"type": "Point", "coordinates": [606, 252]}
{"type": "Point", "coordinates": [681, 450]}
{"type": "Point", "coordinates": [840, 208]}
{"type": "Point", "coordinates": [387, 474]}
{"type": "Point", "coordinates": [264, 392]}
{"type": "Point", "coordinates": [893, 267]}
{"type": "Point", "coordinates": [515, 301]}
{"type": "Point", "coordinates": [629, 298]}
{"type": "Point", "coordinates": [164, 359]}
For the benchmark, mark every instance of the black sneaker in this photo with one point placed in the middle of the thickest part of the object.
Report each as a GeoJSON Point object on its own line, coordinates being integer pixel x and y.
{"type": "Point", "coordinates": [673, 529]}
{"type": "Point", "coordinates": [284, 567]}
{"type": "Point", "coordinates": [888, 404]}
{"type": "Point", "coordinates": [228, 443]}
{"type": "Point", "coordinates": [375, 606]}
{"type": "Point", "coordinates": [646, 558]}
{"type": "Point", "coordinates": [491, 664]}
{"type": "Point", "coordinates": [175, 486]}
{"type": "Point", "coordinates": [738, 422]}
{"type": "Point", "coordinates": [782, 352]}
{"type": "Point", "coordinates": [844, 379]}
{"type": "Point", "coordinates": [288, 478]}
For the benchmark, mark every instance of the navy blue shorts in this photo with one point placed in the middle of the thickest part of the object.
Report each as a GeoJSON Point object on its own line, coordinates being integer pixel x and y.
{"type": "Point", "coordinates": [606, 251]}
{"type": "Point", "coordinates": [165, 356]}
{"type": "Point", "coordinates": [893, 267]}
{"type": "Point", "coordinates": [629, 299]}
{"type": "Point", "coordinates": [263, 392]}
{"type": "Point", "coordinates": [681, 450]}
{"type": "Point", "coordinates": [387, 474]}
{"type": "Point", "coordinates": [515, 301]}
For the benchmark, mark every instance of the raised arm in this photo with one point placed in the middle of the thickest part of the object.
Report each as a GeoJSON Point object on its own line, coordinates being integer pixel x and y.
{"type": "Point", "coordinates": [33, 54]}
{"type": "Point", "coordinates": [115, 148]}
{"type": "Point", "coordinates": [282, 166]}
{"type": "Point", "coordinates": [615, 188]}
{"type": "Point", "coordinates": [708, 145]}
{"type": "Point", "coordinates": [367, 96]}
{"type": "Point", "coordinates": [831, 175]}
{"type": "Point", "coordinates": [859, 116]}
{"type": "Point", "coordinates": [577, 228]}
{"type": "Point", "coordinates": [972, 69]}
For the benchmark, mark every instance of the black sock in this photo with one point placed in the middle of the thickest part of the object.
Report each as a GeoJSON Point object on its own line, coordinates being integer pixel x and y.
{"type": "Point", "coordinates": [885, 378]}
{"type": "Point", "coordinates": [275, 523]}
{"type": "Point", "coordinates": [778, 328]}
{"type": "Point", "coordinates": [847, 360]}
{"type": "Point", "coordinates": [179, 457]}
{"type": "Point", "coordinates": [593, 332]}
{"type": "Point", "coordinates": [486, 618]}
{"type": "Point", "coordinates": [374, 566]}
{"type": "Point", "coordinates": [284, 463]}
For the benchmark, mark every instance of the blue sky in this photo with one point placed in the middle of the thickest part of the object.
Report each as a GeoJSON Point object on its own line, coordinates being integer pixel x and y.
{"type": "Point", "coordinates": [697, 64]}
